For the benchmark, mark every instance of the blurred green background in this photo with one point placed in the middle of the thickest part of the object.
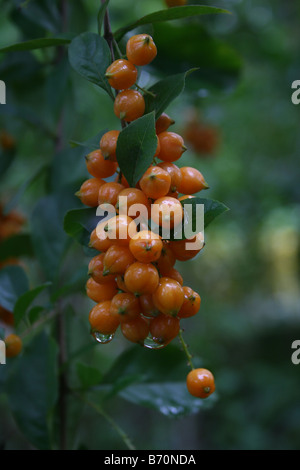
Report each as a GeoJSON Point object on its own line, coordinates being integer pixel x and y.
{"type": "Point", "coordinates": [248, 274]}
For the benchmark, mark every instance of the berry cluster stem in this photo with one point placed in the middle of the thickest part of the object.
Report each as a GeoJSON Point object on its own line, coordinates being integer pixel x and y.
{"type": "Point", "coordinates": [186, 350]}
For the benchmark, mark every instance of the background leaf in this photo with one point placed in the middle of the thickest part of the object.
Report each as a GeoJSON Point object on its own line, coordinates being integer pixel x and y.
{"type": "Point", "coordinates": [40, 43]}
{"type": "Point", "coordinates": [90, 56]}
{"type": "Point", "coordinates": [24, 302]}
{"type": "Point", "coordinates": [136, 147]}
{"type": "Point", "coordinates": [32, 390]}
{"type": "Point", "coordinates": [13, 284]}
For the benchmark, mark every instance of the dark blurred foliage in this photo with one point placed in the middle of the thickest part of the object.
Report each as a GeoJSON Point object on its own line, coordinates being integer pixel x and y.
{"type": "Point", "coordinates": [248, 273]}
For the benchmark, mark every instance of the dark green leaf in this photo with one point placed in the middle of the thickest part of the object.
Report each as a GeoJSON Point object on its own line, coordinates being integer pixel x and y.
{"type": "Point", "coordinates": [169, 14]}
{"type": "Point", "coordinates": [16, 246]}
{"type": "Point", "coordinates": [13, 284]}
{"type": "Point", "coordinates": [90, 56]}
{"type": "Point", "coordinates": [32, 389]}
{"type": "Point", "coordinates": [212, 208]}
{"type": "Point", "coordinates": [101, 14]}
{"type": "Point", "coordinates": [79, 223]}
{"type": "Point", "coordinates": [39, 43]}
{"type": "Point", "coordinates": [90, 144]}
{"type": "Point", "coordinates": [56, 88]}
{"type": "Point", "coordinates": [136, 147]}
{"type": "Point", "coordinates": [24, 302]}
{"type": "Point", "coordinates": [28, 115]}
{"type": "Point", "coordinates": [88, 376]}
{"type": "Point", "coordinates": [165, 92]}
{"type": "Point", "coordinates": [60, 174]}
{"type": "Point", "coordinates": [6, 158]}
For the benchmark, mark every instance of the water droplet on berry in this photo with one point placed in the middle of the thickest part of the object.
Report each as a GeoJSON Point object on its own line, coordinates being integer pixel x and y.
{"type": "Point", "coordinates": [103, 339]}
{"type": "Point", "coordinates": [151, 344]}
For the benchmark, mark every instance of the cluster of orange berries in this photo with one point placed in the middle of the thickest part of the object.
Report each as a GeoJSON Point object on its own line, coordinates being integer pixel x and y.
{"type": "Point", "coordinates": [10, 224]}
{"type": "Point", "coordinates": [133, 279]}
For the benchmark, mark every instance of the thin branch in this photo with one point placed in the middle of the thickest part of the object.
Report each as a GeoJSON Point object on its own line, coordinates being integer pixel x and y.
{"type": "Point", "coordinates": [186, 350]}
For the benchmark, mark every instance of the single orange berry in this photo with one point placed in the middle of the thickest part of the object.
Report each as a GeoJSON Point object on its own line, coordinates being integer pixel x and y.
{"type": "Point", "coordinates": [192, 181]}
{"type": "Point", "coordinates": [89, 191]}
{"type": "Point", "coordinates": [102, 321]}
{"type": "Point", "coordinates": [168, 297]}
{"type": "Point", "coordinates": [146, 246]}
{"type": "Point", "coordinates": [101, 292]}
{"type": "Point", "coordinates": [164, 328]}
{"type": "Point", "coordinates": [121, 74]}
{"type": "Point", "coordinates": [125, 306]}
{"type": "Point", "coordinates": [191, 303]}
{"type": "Point", "coordinates": [166, 260]}
{"type": "Point", "coordinates": [120, 229]}
{"type": "Point", "coordinates": [141, 278]}
{"type": "Point", "coordinates": [136, 330]}
{"type": "Point", "coordinates": [108, 195]}
{"type": "Point", "coordinates": [99, 238]}
{"type": "Point", "coordinates": [13, 345]}
{"type": "Point", "coordinates": [171, 146]}
{"type": "Point", "coordinates": [174, 172]}
{"type": "Point", "coordinates": [141, 49]}
{"type": "Point", "coordinates": [167, 212]}
{"type": "Point", "coordinates": [148, 308]}
{"type": "Point", "coordinates": [163, 123]}
{"type": "Point", "coordinates": [173, 274]}
{"type": "Point", "coordinates": [95, 270]}
{"type": "Point", "coordinates": [129, 197]}
{"type": "Point", "coordinates": [200, 383]}
{"type": "Point", "coordinates": [129, 105]}
{"type": "Point", "coordinates": [98, 166]}
{"type": "Point", "coordinates": [117, 259]}
{"type": "Point", "coordinates": [108, 145]}
{"type": "Point", "coordinates": [185, 250]}
{"type": "Point", "coordinates": [155, 182]}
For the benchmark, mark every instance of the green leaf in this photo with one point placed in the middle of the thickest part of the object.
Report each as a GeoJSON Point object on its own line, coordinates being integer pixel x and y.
{"type": "Point", "coordinates": [44, 13]}
{"type": "Point", "coordinates": [38, 43]}
{"type": "Point", "coordinates": [88, 376]}
{"type": "Point", "coordinates": [79, 223]}
{"type": "Point", "coordinates": [6, 158]}
{"type": "Point", "coordinates": [32, 390]}
{"type": "Point", "coordinates": [16, 246]}
{"type": "Point", "coordinates": [175, 13]}
{"type": "Point", "coordinates": [26, 114]}
{"type": "Point", "coordinates": [90, 144]}
{"type": "Point", "coordinates": [13, 284]}
{"type": "Point", "coordinates": [212, 208]}
{"type": "Point", "coordinates": [89, 55]}
{"type": "Point", "coordinates": [136, 147]}
{"type": "Point", "coordinates": [159, 377]}
{"type": "Point", "coordinates": [60, 175]}
{"type": "Point", "coordinates": [101, 14]}
{"type": "Point", "coordinates": [165, 92]}
{"type": "Point", "coordinates": [24, 302]}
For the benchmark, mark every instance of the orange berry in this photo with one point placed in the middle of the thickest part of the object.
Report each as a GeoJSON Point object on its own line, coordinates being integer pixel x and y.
{"type": "Point", "coordinates": [184, 198]}
{"type": "Point", "coordinates": [6, 316]}
{"type": "Point", "coordinates": [129, 105]}
{"type": "Point", "coordinates": [200, 383]}
{"type": "Point", "coordinates": [99, 238]}
{"type": "Point", "coordinates": [164, 328]}
{"type": "Point", "coordinates": [168, 297]}
{"type": "Point", "coordinates": [101, 320]}
{"type": "Point", "coordinates": [133, 196]}
{"type": "Point", "coordinates": [163, 123]}
{"type": "Point", "coordinates": [136, 330]}
{"type": "Point", "coordinates": [167, 212]}
{"type": "Point", "coordinates": [141, 49]}
{"type": "Point", "coordinates": [108, 145]}
{"type": "Point", "coordinates": [121, 229]}
{"type": "Point", "coordinates": [147, 306]}
{"type": "Point", "coordinates": [141, 278]}
{"type": "Point", "coordinates": [117, 259]}
{"type": "Point", "coordinates": [155, 182]}
{"type": "Point", "coordinates": [121, 284]}
{"type": "Point", "coordinates": [192, 181]}
{"type": "Point", "coordinates": [95, 270]}
{"type": "Point", "coordinates": [121, 74]}
{"type": "Point", "coordinates": [125, 306]}
{"type": "Point", "coordinates": [183, 250]}
{"type": "Point", "coordinates": [173, 274]}
{"type": "Point", "coordinates": [13, 345]}
{"type": "Point", "coordinates": [101, 292]}
{"type": "Point", "coordinates": [98, 166]}
{"type": "Point", "coordinates": [89, 191]}
{"type": "Point", "coordinates": [108, 195]}
{"type": "Point", "coordinates": [174, 172]}
{"type": "Point", "coordinates": [166, 260]}
{"type": "Point", "coordinates": [191, 303]}
{"type": "Point", "coordinates": [146, 246]}
{"type": "Point", "coordinates": [171, 146]}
